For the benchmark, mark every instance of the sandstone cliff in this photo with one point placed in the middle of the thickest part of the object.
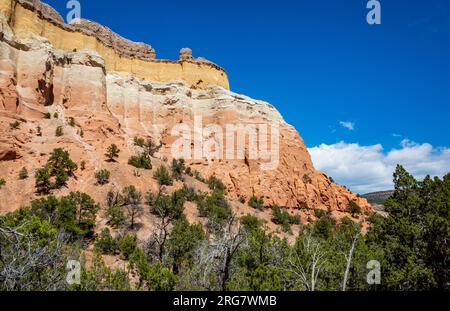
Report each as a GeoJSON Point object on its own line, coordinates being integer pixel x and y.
{"type": "Point", "coordinates": [110, 106]}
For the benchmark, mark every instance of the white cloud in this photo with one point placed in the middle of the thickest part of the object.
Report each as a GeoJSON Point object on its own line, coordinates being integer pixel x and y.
{"type": "Point", "coordinates": [368, 168]}
{"type": "Point", "coordinates": [348, 125]}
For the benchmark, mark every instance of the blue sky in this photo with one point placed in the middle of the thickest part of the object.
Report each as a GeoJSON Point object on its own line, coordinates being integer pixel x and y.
{"type": "Point", "coordinates": [338, 80]}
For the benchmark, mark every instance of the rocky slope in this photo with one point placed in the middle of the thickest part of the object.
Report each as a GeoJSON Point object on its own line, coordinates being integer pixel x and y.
{"type": "Point", "coordinates": [110, 107]}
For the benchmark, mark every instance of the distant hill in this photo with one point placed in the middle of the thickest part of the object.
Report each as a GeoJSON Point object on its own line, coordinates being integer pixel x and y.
{"type": "Point", "coordinates": [378, 197]}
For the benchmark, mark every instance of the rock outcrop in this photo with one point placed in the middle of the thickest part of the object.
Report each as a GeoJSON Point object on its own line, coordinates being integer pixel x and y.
{"type": "Point", "coordinates": [31, 18]}
{"type": "Point", "coordinates": [112, 107]}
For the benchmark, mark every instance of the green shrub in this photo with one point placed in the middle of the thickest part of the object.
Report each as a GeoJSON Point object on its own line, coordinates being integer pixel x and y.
{"type": "Point", "coordinates": [215, 207]}
{"type": "Point", "coordinates": [2, 183]}
{"type": "Point", "coordinates": [199, 177]}
{"type": "Point", "coordinates": [251, 223]}
{"type": "Point", "coordinates": [353, 208]}
{"type": "Point", "coordinates": [105, 243]}
{"type": "Point", "coordinates": [142, 161]}
{"type": "Point", "coordinates": [23, 174]}
{"type": "Point", "coordinates": [139, 142]}
{"type": "Point", "coordinates": [59, 167]}
{"type": "Point", "coordinates": [116, 216]}
{"type": "Point", "coordinates": [168, 207]}
{"type": "Point", "coordinates": [15, 125]}
{"type": "Point", "coordinates": [319, 213]}
{"type": "Point", "coordinates": [56, 115]}
{"type": "Point", "coordinates": [183, 242]}
{"type": "Point", "coordinates": [127, 245]}
{"type": "Point", "coordinates": [112, 153]}
{"type": "Point", "coordinates": [215, 184]}
{"type": "Point", "coordinates": [178, 168]}
{"type": "Point", "coordinates": [323, 228]}
{"type": "Point", "coordinates": [47, 115]}
{"type": "Point", "coordinates": [43, 182]}
{"type": "Point", "coordinates": [102, 177]}
{"type": "Point", "coordinates": [72, 122]}
{"type": "Point", "coordinates": [59, 131]}
{"type": "Point", "coordinates": [189, 172]}
{"type": "Point", "coordinates": [151, 147]}
{"type": "Point", "coordinates": [83, 165]}
{"type": "Point", "coordinates": [75, 214]}
{"type": "Point", "coordinates": [139, 262]}
{"type": "Point", "coordinates": [256, 203]}
{"type": "Point", "coordinates": [242, 199]}
{"type": "Point", "coordinates": [283, 218]}
{"type": "Point", "coordinates": [163, 176]}
{"type": "Point", "coordinates": [161, 279]}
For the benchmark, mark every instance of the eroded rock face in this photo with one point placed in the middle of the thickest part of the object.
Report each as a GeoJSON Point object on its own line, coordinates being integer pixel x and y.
{"type": "Point", "coordinates": [111, 108]}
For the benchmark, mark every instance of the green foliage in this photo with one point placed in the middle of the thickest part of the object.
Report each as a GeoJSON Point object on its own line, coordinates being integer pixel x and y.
{"type": "Point", "coordinates": [102, 278]}
{"type": "Point", "coordinates": [23, 174]}
{"type": "Point", "coordinates": [127, 245]}
{"type": "Point", "coordinates": [168, 207]}
{"type": "Point", "coordinates": [132, 200]}
{"type": "Point", "coordinates": [74, 214]}
{"type": "Point", "coordinates": [43, 183]}
{"type": "Point", "coordinates": [102, 177]}
{"type": "Point", "coordinates": [242, 199]}
{"type": "Point", "coordinates": [215, 207]}
{"type": "Point", "coordinates": [323, 228]}
{"type": "Point", "coordinates": [83, 165]}
{"type": "Point", "coordinates": [319, 213]}
{"type": "Point", "coordinates": [60, 161]}
{"type": "Point", "coordinates": [56, 115]}
{"type": "Point", "coordinates": [353, 208]}
{"type": "Point", "coordinates": [163, 176]}
{"type": "Point", "coordinates": [139, 142]}
{"type": "Point", "coordinates": [189, 172]}
{"type": "Point", "coordinates": [183, 241]}
{"type": "Point", "coordinates": [139, 262]}
{"type": "Point", "coordinates": [198, 176]}
{"type": "Point", "coordinates": [105, 243]}
{"type": "Point", "coordinates": [60, 167]}
{"type": "Point", "coordinates": [112, 153]}
{"type": "Point", "coordinates": [161, 279]}
{"type": "Point", "coordinates": [265, 278]}
{"type": "Point", "coordinates": [2, 183]}
{"type": "Point", "coordinates": [215, 184]}
{"type": "Point", "coordinates": [47, 115]}
{"type": "Point", "coordinates": [116, 216]}
{"type": "Point", "coordinates": [116, 202]}
{"type": "Point", "coordinates": [256, 203]}
{"type": "Point", "coordinates": [59, 131]}
{"type": "Point", "coordinates": [410, 243]}
{"type": "Point", "coordinates": [178, 169]}
{"type": "Point", "coordinates": [72, 122]}
{"type": "Point", "coordinates": [15, 125]}
{"type": "Point", "coordinates": [251, 223]}
{"type": "Point", "coordinates": [413, 237]}
{"type": "Point", "coordinates": [283, 218]}
{"type": "Point", "coordinates": [149, 147]}
{"type": "Point", "coordinates": [142, 161]}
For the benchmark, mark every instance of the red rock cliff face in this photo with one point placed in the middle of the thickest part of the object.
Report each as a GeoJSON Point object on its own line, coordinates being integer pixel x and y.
{"type": "Point", "coordinates": [110, 108]}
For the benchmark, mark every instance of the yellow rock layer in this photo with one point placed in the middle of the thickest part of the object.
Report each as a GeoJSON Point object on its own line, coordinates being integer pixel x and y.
{"type": "Point", "coordinates": [25, 23]}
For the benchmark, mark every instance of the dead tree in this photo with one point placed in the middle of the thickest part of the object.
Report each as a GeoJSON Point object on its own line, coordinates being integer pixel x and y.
{"type": "Point", "coordinates": [348, 259]}
{"type": "Point", "coordinates": [307, 261]}
{"type": "Point", "coordinates": [23, 260]}
{"type": "Point", "coordinates": [215, 258]}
